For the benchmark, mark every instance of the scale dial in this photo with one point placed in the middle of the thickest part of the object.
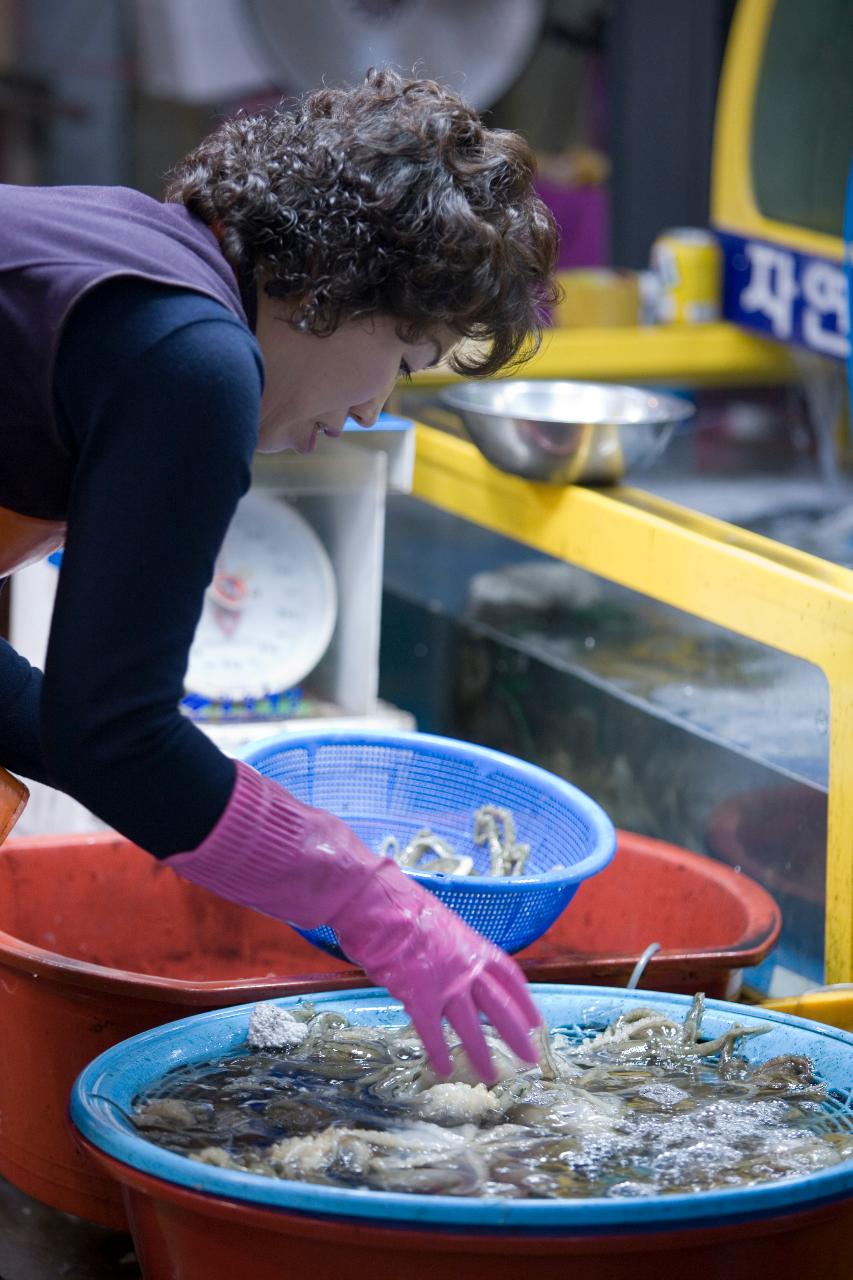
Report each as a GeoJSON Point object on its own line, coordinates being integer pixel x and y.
{"type": "Point", "coordinates": [269, 612]}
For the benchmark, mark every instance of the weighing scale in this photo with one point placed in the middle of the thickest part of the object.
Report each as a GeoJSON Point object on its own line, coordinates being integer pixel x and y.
{"type": "Point", "coordinates": [268, 615]}
{"type": "Point", "coordinates": [289, 631]}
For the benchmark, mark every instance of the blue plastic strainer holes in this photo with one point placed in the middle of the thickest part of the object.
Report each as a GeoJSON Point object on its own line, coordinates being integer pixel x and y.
{"type": "Point", "coordinates": [397, 783]}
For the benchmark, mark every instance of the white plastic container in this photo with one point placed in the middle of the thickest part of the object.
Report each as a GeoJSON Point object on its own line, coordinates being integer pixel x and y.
{"type": "Point", "coordinates": [340, 490]}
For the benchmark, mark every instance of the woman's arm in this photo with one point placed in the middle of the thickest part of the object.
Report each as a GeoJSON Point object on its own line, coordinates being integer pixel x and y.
{"type": "Point", "coordinates": [159, 391]}
{"type": "Point", "coordinates": [20, 696]}
{"type": "Point", "coordinates": [164, 460]}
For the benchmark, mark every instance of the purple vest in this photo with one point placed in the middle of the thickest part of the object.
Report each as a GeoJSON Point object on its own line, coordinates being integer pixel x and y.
{"type": "Point", "coordinates": [56, 243]}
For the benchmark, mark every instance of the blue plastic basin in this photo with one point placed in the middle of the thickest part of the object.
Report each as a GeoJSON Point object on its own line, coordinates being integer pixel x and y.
{"type": "Point", "coordinates": [105, 1092]}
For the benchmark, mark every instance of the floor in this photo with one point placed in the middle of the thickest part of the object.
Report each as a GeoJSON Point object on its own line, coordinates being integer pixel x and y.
{"type": "Point", "coordinates": [38, 1243]}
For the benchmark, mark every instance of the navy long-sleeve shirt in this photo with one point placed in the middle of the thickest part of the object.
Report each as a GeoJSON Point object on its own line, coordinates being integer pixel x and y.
{"type": "Point", "coordinates": [157, 394]}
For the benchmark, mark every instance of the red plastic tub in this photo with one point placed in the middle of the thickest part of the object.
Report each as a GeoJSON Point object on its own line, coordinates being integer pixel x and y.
{"type": "Point", "coordinates": [711, 921]}
{"type": "Point", "coordinates": [98, 942]}
{"type": "Point", "coordinates": [180, 1233]}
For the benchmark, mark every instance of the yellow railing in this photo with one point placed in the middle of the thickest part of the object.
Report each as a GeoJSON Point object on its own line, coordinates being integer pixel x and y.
{"type": "Point", "coordinates": [735, 579]}
{"type": "Point", "coordinates": [688, 355]}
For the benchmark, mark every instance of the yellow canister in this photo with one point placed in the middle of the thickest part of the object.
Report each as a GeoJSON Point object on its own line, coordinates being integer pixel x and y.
{"type": "Point", "coordinates": [597, 298]}
{"type": "Point", "coordinates": [687, 264]}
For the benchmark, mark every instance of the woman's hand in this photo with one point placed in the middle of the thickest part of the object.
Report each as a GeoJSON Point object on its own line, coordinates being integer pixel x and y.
{"type": "Point", "coordinates": [408, 941]}
{"type": "Point", "coordinates": [307, 867]}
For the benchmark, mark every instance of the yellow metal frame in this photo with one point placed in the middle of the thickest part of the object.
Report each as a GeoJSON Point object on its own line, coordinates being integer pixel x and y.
{"type": "Point", "coordinates": [834, 1007]}
{"type": "Point", "coordinates": [750, 585]}
{"type": "Point", "coordinates": [733, 204]}
{"type": "Point", "coordinates": [780, 597]}
{"type": "Point", "coordinates": [692, 355]}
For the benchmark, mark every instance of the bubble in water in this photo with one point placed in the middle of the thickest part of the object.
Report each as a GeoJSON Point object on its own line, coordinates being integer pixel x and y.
{"type": "Point", "coordinates": [346, 1107]}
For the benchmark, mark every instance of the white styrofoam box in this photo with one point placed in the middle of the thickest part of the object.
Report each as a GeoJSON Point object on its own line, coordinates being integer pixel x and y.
{"type": "Point", "coordinates": [395, 437]}
{"type": "Point", "coordinates": [340, 490]}
{"type": "Point", "coordinates": [232, 738]}
{"type": "Point", "coordinates": [30, 610]}
{"type": "Point", "coordinates": [342, 496]}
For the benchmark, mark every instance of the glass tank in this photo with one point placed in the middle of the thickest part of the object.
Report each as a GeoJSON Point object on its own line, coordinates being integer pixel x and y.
{"type": "Point", "coordinates": [680, 729]}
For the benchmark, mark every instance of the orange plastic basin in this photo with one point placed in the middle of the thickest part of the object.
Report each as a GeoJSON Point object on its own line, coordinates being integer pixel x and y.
{"type": "Point", "coordinates": [181, 1233]}
{"type": "Point", "coordinates": [710, 920]}
{"type": "Point", "coordinates": [98, 942]}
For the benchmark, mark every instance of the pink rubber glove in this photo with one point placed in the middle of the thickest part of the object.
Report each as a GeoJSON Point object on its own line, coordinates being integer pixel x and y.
{"type": "Point", "coordinates": [305, 866]}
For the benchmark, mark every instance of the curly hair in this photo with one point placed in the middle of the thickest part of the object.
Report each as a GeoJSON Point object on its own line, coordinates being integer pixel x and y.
{"type": "Point", "coordinates": [389, 197]}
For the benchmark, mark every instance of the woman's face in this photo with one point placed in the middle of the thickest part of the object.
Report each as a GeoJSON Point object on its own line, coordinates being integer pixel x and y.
{"type": "Point", "coordinates": [314, 384]}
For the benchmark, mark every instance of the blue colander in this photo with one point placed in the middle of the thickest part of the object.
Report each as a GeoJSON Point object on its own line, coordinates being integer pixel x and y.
{"type": "Point", "coordinates": [397, 783]}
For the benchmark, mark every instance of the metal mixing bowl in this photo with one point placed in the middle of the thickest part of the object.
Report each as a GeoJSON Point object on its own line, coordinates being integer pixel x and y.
{"type": "Point", "coordinates": [566, 432]}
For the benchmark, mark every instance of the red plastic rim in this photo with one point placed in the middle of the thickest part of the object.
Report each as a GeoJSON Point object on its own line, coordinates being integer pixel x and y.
{"type": "Point", "coordinates": [708, 919]}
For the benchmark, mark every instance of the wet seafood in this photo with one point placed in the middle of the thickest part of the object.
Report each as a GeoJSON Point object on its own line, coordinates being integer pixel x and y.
{"type": "Point", "coordinates": [640, 1107]}
{"type": "Point", "coordinates": [494, 827]}
{"type": "Point", "coordinates": [425, 844]}
{"type": "Point", "coordinates": [272, 1027]}
{"type": "Point", "coordinates": [639, 1032]}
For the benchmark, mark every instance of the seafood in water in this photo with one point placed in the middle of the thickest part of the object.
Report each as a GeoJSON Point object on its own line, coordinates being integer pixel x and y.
{"type": "Point", "coordinates": [644, 1106]}
{"type": "Point", "coordinates": [272, 1027]}
{"type": "Point", "coordinates": [494, 827]}
{"type": "Point", "coordinates": [637, 1033]}
{"type": "Point", "coordinates": [425, 844]}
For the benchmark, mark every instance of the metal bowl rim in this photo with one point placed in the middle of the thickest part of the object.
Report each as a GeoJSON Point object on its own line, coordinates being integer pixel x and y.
{"type": "Point", "coordinates": [676, 409]}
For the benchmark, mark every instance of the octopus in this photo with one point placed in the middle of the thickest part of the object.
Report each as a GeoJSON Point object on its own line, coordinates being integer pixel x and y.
{"type": "Point", "coordinates": [642, 1106]}
{"type": "Point", "coordinates": [494, 827]}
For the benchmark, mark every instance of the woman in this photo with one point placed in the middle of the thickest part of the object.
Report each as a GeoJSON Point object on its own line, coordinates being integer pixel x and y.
{"type": "Point", "coordinates": [301, 263]}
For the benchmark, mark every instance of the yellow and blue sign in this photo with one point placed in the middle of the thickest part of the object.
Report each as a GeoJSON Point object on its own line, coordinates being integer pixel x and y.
{"type": "Point", "coordinates": [784, 294]}
{"type": "Point", "coordinates": [783, 144]}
